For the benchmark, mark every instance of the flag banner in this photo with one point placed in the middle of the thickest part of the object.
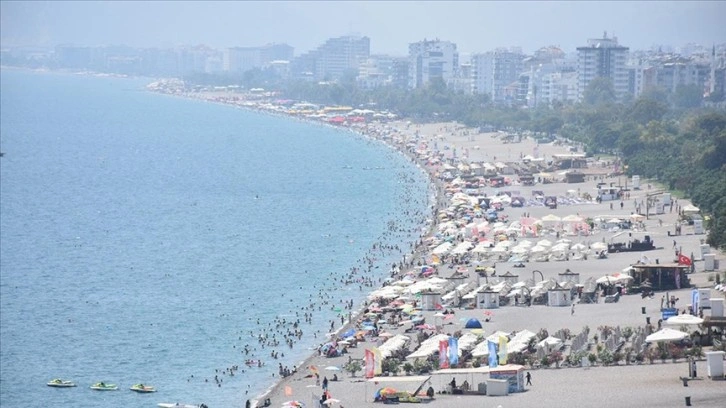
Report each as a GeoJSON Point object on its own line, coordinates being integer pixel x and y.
{"type": "Point", "coordinates": [684, 260]}
{"type": "Point", "coordinates": [492, 354]}
{"type": "Point", "coordinates": [503, 349]}
{"type": "Point", "coordinates": [444, 354]}
{"type": "Point", "coordinates": [370, 364]}
{"type": "Point", "coordinates": [377, 361]}
{"type": "Point", "coordinates": [453, 351]}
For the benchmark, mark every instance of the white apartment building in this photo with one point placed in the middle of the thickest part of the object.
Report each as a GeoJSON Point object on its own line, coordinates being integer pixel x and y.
{"type": "Point", "coordinates": [495, 72]}
{"type": "Point", "coordinates": [432, 59]}
{"type": "Point", "coordinates": [602, 57]}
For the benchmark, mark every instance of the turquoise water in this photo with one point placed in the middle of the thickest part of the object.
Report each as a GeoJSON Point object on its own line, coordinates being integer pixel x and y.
{"type": "Point", "coordinates": [143, 237]}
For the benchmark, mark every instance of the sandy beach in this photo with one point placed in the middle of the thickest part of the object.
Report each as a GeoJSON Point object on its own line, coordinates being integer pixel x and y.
{"type": "Point", "coordinates": [624, 384]}
{"type": "Point", "coordinates": [656, 384]}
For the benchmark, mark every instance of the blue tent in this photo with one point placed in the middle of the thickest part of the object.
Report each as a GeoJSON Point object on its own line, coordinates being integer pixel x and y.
{"type": "Point", "coordinates": [348, 333]}
{"type": "Point", "coordinates": [473, 324]}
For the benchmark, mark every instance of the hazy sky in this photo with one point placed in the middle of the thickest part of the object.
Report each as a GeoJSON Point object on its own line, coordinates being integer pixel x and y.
{"type": "Point", "coordinates": [391, 26]}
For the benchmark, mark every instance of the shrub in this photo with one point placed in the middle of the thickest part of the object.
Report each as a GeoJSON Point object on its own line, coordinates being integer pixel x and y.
{"type": "Point", "coordinates": [627, 332]}
{"type": "Point", "coordinates": [353, 367]}
{"type": "Point", "coordinates": [592, 358]}
{"type": "Point", "coordinates": [605, 356]}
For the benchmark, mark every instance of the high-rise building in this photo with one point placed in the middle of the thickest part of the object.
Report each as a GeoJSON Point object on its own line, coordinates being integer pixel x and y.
{"type": "Point", "coordinates": [495, 72]}
{"type": "Point", "coordinates": [241, 59]}
{"type": "Point", "coordinates": [602, 58]}
{"type": "Point", "coordinates": [333, 59]}
{"type": "Point", "coordinates": [432, 59]}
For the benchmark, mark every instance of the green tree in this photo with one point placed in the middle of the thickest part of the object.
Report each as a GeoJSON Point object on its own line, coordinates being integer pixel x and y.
{"type": "Point", "coordinates": [688, 96]}
{"type": "Point", "coordinates": [599, 91]}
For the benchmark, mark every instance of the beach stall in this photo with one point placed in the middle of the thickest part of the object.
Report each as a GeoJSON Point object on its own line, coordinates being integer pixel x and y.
{"type": "Point", "coordinates": [430, 300]}
{"type": "Point", "coordinates": [509, 277]}
{"type": "Point", "coordinates": [569, 276]}
{"type": "Point", "coordinates": [512, 373]}
{"type": "Point", "coordinates": [487, 299]}
{"type": "Point", "coordinates": [559, 296]}
{"type": "Point", "coordinates": [661, 276]}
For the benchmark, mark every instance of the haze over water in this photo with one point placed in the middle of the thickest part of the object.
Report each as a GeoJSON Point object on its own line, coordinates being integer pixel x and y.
{"type": "Point", "coordinates": [143, 236]}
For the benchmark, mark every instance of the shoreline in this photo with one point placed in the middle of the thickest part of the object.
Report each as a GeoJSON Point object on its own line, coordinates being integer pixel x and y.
{"type": "Point", "coordinates": [284, 388]}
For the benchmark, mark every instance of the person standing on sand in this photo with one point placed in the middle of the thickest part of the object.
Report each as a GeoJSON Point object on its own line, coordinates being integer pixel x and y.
{"type": "Point", "coordinates": [572, 311]}
{"type": "Point", "coordinates": [529, 378]}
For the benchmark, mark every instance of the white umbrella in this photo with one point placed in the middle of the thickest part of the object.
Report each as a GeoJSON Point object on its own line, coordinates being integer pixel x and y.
{"type": "Point", "coordinates": [544, 243]}
{"type": "Point", "coordinates": [599, 246]}
{"type": "Point", "coordinates": [578, 247]}
{"type": "Point", "coordinates": [572, 218]}
{"type": "Point", "coordinates": [551, 218]}
{"type": "Point", "coordinates": [684, 319]}
{"type": "Point", "coordinates": [520, 250]}
{"type": "Point", "coordinates": [537, 249]}
{"type": "Point", "coordinates": [666, 334]}
{"type": "Point", "coordinates": [560, 247]}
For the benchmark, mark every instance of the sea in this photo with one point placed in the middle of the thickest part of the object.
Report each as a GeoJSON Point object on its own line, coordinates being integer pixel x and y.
{"type": "Point", "coordinates": [147, 238]}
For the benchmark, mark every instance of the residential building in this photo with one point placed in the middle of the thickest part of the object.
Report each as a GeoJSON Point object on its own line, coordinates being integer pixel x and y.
{"type": "Point", "coordinates": [432, 59]}
{"type": "Point", "coordinates": [602, 58]}
{"type": "Point", "coordinates": [496, 72]}
{"type": "Point", "coordinates": [241, 59]}
{"type": "Point", "coordinates": [333, 59]}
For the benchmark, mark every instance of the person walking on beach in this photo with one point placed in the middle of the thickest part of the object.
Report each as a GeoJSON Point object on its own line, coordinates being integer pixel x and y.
{"type": "Point", "coordinates": [529, 378]}
{"type": "Point", "coordinates": [572, 311]}
{"type": "Point", "coordinates": [325, 383]}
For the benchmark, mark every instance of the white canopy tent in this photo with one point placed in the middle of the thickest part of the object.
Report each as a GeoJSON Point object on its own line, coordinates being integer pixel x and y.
{"type": "Point", "coordinates": [666, 334]}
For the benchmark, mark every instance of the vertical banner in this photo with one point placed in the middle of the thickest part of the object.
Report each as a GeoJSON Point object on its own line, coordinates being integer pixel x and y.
{"type": "Point", "coordinates": [370, 364]}
{"type": "Point", "coordinates": [503, 340]}
{"type": "Point", "coordinates": [453, 351]}
{"type": "Point", "coordinates": [695, 300]}
{"type": "Point", "coordinates": [444, 354]}
{"type": "Point", "coordinates": [377, 361]}
{"type": "Point", "coordinates": [492, 354]}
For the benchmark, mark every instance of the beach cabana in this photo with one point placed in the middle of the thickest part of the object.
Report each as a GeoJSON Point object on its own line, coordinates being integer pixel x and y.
{"type": "Point", "coordinates": [428, 347]}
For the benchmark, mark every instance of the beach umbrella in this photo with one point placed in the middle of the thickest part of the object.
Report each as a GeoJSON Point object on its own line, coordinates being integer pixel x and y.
{"type": "Point", "coordinates": [544, 243]}
{"type": "Point", "coordinates": [578, 247]}
{"type": "Point", "coordinates": [599, 246]}
{"type": "Point", "coordinates": [684, 319]}
{"type": "Point", "coordinates": [331, 401]}
{"type": "Point", "coordinates": [572, 218]}
{"type": "Point", "coordinates": [666, 334]}
{"type": "Point", "coordinates": [333, 368]}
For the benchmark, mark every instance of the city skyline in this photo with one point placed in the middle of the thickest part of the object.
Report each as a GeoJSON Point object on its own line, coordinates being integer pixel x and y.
{"type": "Point", "coordinates": [474, 26]}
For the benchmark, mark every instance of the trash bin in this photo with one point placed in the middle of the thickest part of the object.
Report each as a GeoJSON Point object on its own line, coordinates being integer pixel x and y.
{"type": "Point", "coordinates": [688, 401]}
{"type": "Point", "coordinates": [642, 310]}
